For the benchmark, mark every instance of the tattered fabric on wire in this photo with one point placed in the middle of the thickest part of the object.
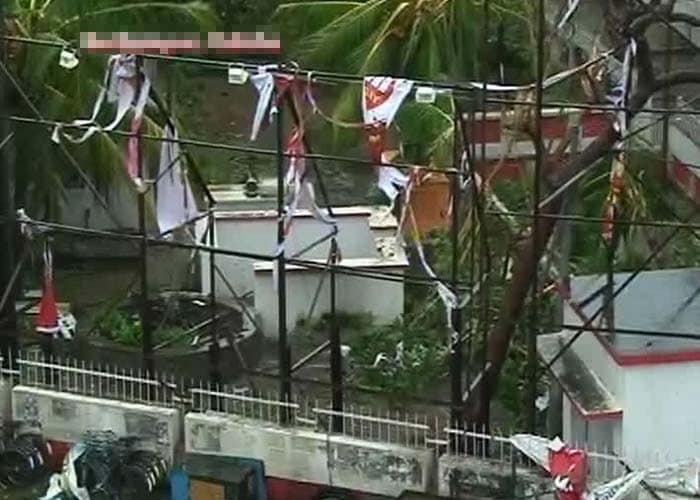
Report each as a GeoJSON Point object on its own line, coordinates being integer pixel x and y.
{"type": "Point", "coordinates": [120, 85]}
{"type": "Point", "coordinates": [620, 92]}
{"type": "Point", "coordinates": [448, 297]}
{"type": "Point", "coordinates": [175, 204]}
{"type": "Point", "coordinates": [300, 189]}
{"type": "Point", "coordinates": [49, 321]}
{"type": "Point", "coordinates": [382, 97]}
{"type": "Point", "coordinates": [266, 83]}
{"type": "Point", "coordinates": [572, 6]}
{"type": "Point", "coordinates": [390, 179]}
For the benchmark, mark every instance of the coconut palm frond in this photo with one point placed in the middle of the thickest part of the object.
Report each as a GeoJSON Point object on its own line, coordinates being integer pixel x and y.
{"type": "Point", "coordinates": [173, 14]}
{"type": "Point", "coordinates": [328, 47]}
{"type": "Point", "coordinates": [64, 95]}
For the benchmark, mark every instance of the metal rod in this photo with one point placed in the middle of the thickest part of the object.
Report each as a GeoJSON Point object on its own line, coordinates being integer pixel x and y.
{"type": "Point", "coordinates": [214, 352]}
{"type": "Point", "coordinates": [283, 348]}
{"type": "Point", "coordinates": [336, 356]}
{"type": "Point", "coordinates": [531, 410]}
{"type": "Point", "coordinates": [306, 359]}
{"type": "Point", "coordinates": [455, 340]}
{"type": "Point", "coordinates": [15, 274]}
{"type": "Point", "coordinates": [147, 339]}
{"type": "Point", "coordinates": [8, 314]}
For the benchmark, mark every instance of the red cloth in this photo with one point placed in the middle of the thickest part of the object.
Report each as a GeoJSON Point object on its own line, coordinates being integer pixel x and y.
{"type": "Point", "coordinates": [376, 142]}
{"type": "Point", "coordinates": [47, 319]}
{"type": "Point", "coordinates": [572, 464]}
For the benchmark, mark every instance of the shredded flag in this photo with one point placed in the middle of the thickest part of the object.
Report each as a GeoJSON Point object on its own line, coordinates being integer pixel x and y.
{"type": "Point", "coordinates": [175, 204]}
{"type": "Point", "coordinates": [47, 319]}
{"type": "Point", "coordinates": [381, 99]}
{"type": "Point", "coordinates": [569, 469]}
{"type": "Point", "coordinates": [612, 203]}
{"type": "Point", "coordinates": [264, 83]}
{"type": "Point", "coordinates": [119, 85]}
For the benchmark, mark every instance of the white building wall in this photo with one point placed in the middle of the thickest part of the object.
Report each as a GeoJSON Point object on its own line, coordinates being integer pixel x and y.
{"type": "Point", "coordinates": [354, 294]}
{"type": "Point", "coordinates": [256, 232]}
{"type": "Point", "coordinates": [661, 413]}
{"type": "Point", "coordinates": [599, 435]}
{"type": "Point", "coordinates": [596, 357]}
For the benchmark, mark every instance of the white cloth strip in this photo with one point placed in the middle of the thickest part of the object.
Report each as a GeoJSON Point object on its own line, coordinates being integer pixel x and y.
{"type": "Point", "coordinates": [571, 10]}
{"type": "Point", "coordinates": [175, 204]}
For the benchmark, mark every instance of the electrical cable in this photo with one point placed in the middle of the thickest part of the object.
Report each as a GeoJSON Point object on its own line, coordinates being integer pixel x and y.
{"type": "Point", "coordinates": [333, 77]}
{"type": "Point", "coordinates": [362, 272]}
{"type": "Point", "coordinates": [600, 220]}
{"type": "Point", "coordinates": [336, 77]}
{"type": "Point", "coordinates": [230, 147]}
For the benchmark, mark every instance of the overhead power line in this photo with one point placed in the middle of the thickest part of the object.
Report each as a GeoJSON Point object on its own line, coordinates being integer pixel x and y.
{"type": "Point", "coordinates": [337, 77]}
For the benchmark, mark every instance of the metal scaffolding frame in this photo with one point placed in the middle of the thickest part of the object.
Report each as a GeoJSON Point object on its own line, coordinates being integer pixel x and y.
{"type": "Point", "coordinates": [463, 376]}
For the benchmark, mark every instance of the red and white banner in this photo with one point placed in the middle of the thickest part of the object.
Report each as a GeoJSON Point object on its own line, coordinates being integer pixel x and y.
{"type": "Point", "coordinates": [569, 468]}
{"type": "Point", "coordinates": [47, 319]}
{"type": "Point", "coordinates": [381, 99]}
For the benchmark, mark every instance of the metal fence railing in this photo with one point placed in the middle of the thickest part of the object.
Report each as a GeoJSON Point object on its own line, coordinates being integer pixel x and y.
{"type": "Point", "coordinates": [96, 380]}
{"type": "Point", "coordinates": [371, 424]}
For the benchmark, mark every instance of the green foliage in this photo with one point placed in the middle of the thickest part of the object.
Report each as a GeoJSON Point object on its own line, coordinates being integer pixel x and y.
{"type": "Point", "coordinates": [126, 330]}
{"type": "Point", "coordinates": [417, 369]}
{"type": "Point", "coordinates": [416, 357]}
{"type": "Point", "coordinates": [67, 94]}
{"type": "Point", "coordinates": [421, 39]}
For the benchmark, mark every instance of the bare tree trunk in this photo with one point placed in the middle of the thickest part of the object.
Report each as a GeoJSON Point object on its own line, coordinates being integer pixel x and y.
{"type": "Point", "coordinates": [527, 250]}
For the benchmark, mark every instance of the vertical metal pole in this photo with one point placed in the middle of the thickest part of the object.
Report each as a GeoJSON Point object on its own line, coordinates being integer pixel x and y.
{"type": "Point", "coordinates": [336, 357]}
{"type": "Point", "coordinates": [8, 317]}
{"type": "Point", "coordinates": [284, 354]}
{"type": "Point", "coordinates": [483, 258]}
{"type": "Point", "coordinates": [530, 411]}
{"type": "Point", "coordinates": [147, 340]}
{"type": "Point", "coordinates": [668, 63]}
{"type": "Point", "coordinates": [214, 353]}
{"type": "Point", "coordinates": [456, 351]}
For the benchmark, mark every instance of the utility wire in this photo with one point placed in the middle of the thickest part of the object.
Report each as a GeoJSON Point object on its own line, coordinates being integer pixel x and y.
{"type": "Point", "coordinates": [341, 269]}
{"type": "Point", "coordinates": [600, 220]}
{"type": "Point", "coordinates": [336, 77]}
{"type": "Point", "coordinates": [294, 70]}
{"type": "Point", "coordinates": [230, 147]}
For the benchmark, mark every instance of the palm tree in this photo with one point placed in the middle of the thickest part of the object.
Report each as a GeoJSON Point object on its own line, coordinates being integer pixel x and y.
{"type": "Point", "coordinates": [65, 94]}
{"type": "Point", "coordinates": [421, 39]}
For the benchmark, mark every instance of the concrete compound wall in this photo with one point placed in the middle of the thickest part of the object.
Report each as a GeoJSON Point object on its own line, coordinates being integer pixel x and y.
{"type": "Point", "coordinates": [304, 455]}
{"type": "Point", "coordinates": [489, 479]}
{"type": "Point", "coordinates": [65, 417]}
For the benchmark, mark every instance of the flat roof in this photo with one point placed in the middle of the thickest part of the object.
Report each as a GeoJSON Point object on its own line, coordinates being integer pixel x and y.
{"type": "Point", "coordinates": [272, 214]}
{"type": "Point", "coordinates": [375, 262]}
{"type": "Point", "coordinates": [581, 385]}
{"type": "Point", "coordinates": [665, 300]}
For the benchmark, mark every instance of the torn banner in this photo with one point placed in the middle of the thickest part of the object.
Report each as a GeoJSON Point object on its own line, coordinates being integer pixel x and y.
{"type": "Point", "coordinates": [48, 320]}
{"type": "Point", "coordinates": [390, 179]}
{"type": "Point", "coordinates": [266, 84]}
{"type": "Point", "coordinates": [381, 99]}
{"type": "Point", "coordinates": [569, 469]}
{"type": "Point", "coordinates": [119, 85]}
{"type": "Point", "coordinates": [299, 186]}
{"type": "Point", "coordinates": [175, 203]}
